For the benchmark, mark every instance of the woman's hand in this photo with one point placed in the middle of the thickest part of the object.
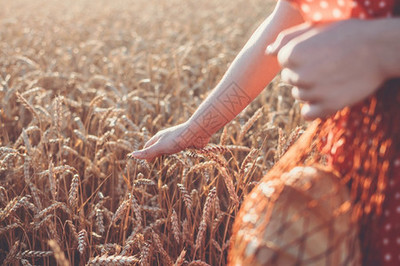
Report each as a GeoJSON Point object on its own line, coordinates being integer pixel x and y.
{"type": "Point", "coordinates": [330, 66]}
{"type": "Point", "coordinates": [172, 140]}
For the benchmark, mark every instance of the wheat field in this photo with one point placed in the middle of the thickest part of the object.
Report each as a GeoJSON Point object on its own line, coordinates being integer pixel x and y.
{"type": "Point", "coordinates": [83, 84]}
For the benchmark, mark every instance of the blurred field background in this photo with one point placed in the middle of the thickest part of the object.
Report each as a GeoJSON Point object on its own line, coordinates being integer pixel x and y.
{"type": "Point", "coordinates": [84, 83]}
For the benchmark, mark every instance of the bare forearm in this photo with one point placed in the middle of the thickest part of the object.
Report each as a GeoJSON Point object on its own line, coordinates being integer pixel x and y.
{"type": "Point", "coordinates": [247, 76]}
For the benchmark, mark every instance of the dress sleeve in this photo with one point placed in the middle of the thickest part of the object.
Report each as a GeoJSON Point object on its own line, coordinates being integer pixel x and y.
{"type": "Point", "coordinates": [316, 11]}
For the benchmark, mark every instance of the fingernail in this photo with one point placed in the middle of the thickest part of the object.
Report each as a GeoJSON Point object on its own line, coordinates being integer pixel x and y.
{"type": "Point", "coordinates": [305, 109]}
{"type": "Point", "coordinates": [134, 154]}
{"type": "Point", "coordinates": [306, 112]}
{"type": "Point", "coordinates": [270, 49]}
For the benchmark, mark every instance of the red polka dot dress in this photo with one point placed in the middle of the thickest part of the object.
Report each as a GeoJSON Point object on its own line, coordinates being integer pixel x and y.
{"type": "Point", "coordinates": [385, 244]}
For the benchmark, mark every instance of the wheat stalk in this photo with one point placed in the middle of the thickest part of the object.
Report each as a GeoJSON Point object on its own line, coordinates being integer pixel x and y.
{"type": "Point", "coordinates": [143, 182]}
{"type": "Point", "coordinates": [6, 150]}
{"type": "Point", "coordinates": [12, 206]}
{"type": "Point", "coordinates": [58, 254]}
{"type": "Point", "coordinates": [51, 208]}
{"type": "Point", "coordinates": [73, 192]}
{"type": "Point", "coordinates": [185, 196]}
{"type": "Point", "coordinates": [82, 241]}
{"type": "Point", "coordinates": [205, 217]}
{"type": "Point", "coordinates": [158, 244]}
{"type": "Point", "coordinates": [249, 124]}
{"type": "Point", "coordinates": [35, 253]}
{"type": "Point", "coordinates": [187, 233]}
{"type": "Point", "coordinates": [229, 185]}
{"type": "Point", "coordinates": [224, 136]}
{"type": "Point", "coordinates": [202, 166]}
{"type": "Point", "coordinates": [113, 260]}
{"type": "Point", "coordinates": [171, 169]}
{"type": "Point", "coordinates": [100, 221]}
{"type": "Point", "coordinates": [9, 227]}
{"type": "Point", "coordinates": [175, 226]}
{"type": "Point", "coordinates": [247, 159]}
{"type": "Point", "coordinates": [198, 263]}
{"type": "Point", "coordinates": [57, 170]}
{"type": "Point", "coordinates": [43, 221]}
{"type": "Point", "coordinates": [26, 142]}
{"type": "Point", "coordinates": [79, 123]}
{"type": "Point", "coordinates": [145, 254]}
{"type": "Point", "coordinates": [25, 262]}
{"type": "Point", "coordinates": [108, 248]}
{"type": "Point", "coordinates": [181, 259]}
{"type": "Point", "coordinates": [27, 105]}
{"type": "Point", "coordinates": [136, 209]}
{"type": "Point", "coordinates": [12, 254]}
{"type": "Point", "coordinates": [73, 230]}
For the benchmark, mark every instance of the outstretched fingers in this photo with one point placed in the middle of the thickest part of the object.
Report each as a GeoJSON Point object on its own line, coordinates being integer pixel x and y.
{"type": "Point", "coordinates": [149, 152]}
{"type": "Point", "coordinates": [151, 141]}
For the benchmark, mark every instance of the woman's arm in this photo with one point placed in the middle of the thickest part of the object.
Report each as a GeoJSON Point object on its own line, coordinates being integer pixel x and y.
{"type": "Point", "coordinates": [247, 76]}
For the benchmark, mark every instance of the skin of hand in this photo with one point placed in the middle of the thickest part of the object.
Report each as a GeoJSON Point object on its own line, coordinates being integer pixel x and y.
{"type": "Point", "coordinates": [247, 76]}
{"type": "Point", "coordinates": [170, 140]}
{"type": "Point", "coordinates": [339, 64]}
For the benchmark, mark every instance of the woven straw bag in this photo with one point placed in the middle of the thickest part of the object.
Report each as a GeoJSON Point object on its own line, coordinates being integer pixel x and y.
{"type": "Point", "coordinates": [302, 218]}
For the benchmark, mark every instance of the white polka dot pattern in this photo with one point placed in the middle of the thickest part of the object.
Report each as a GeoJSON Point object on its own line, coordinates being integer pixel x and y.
{"type": "Point", "coordinates": [325, 10]}
{"type": "Point", "coordinates": [332, 10]}
{"type": "Point", "coordinates": [388, 239]}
